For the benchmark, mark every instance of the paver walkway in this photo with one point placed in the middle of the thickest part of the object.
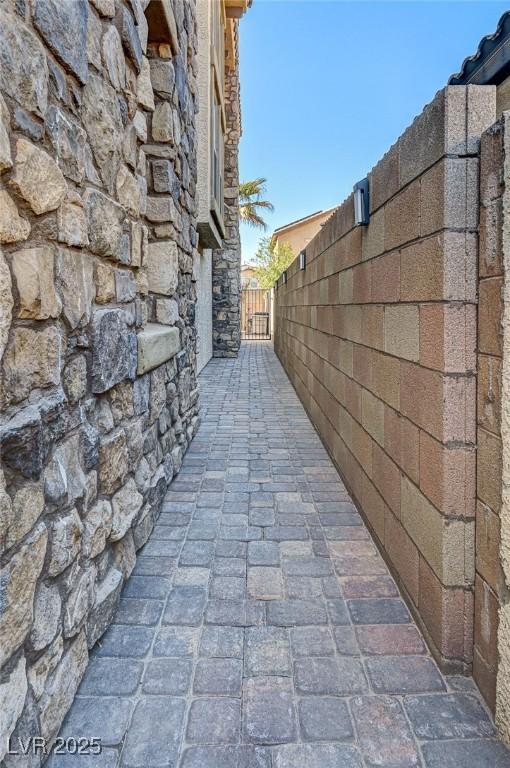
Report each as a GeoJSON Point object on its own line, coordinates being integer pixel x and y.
{"type": "Point", "coordinates": [261, 627]}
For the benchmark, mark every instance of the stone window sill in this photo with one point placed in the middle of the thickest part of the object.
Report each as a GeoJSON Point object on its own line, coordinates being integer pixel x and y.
{"type": "Point", "coordinates": [156, 345]}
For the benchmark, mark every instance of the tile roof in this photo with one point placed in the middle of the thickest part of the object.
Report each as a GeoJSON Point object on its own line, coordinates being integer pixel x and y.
{"type": "Point", "coordinates": [490, 65]}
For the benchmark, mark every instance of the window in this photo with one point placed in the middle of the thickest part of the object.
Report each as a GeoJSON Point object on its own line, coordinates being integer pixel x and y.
{"type": "Point", "coordinates": [217, 110]}
{"type": "Point", "coordinates": [217, 162]}
{"type": "Point", "coordinates": [211, 122]}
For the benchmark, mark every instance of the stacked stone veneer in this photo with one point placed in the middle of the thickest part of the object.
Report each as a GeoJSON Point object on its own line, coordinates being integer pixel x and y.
{"type": "Point", "coordinates": [97, 342]}
{"type": "Point", "coordinates": [378, 335]}
{"type": "Point", "coordinates": [226, 263]}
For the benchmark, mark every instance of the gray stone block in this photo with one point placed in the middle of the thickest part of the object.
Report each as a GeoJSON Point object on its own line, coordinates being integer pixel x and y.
{"type": "Point", "coordinates": [317, 756]}
{"type": "Point", "coordinates": [218, 676]}
{"type": "Point", "coordinates": [171, 677]}
{"type": "Point", "coordinates": [268, 711]}
{"type": "Point", "coordinates": [236, 613]}
{"type": "Point", "coordinates": [113, 349]}
{"type": "Point", "coordinates": [227, 587]}
{"type": "Point", "coordinates": [226, 757]}
{"type": "Point", "coordinates": [410, 674]}
{"type": "Point", "coordinates": [64, 27]}
{"type": "Point", "coordinates": [214, 721]}
{"type": "Point", "coordinates": [267, 652]}
{"type": "Point", "coordinates": [325, 719]}
{"type": "Point", "coordinates": [138, 611]}
{"type": "Point", "coordinates": [107, 718]}
{"type": "Point", "coordinates": [263, 553]}
{"type": "Point", "coordinates": [185, 606]}
{"type": "Point", "coordinates": [481, 753]}
{"type": "Point", "coordinates": [126, 641]}
{"type": "Point", "coordinates": [176, 641]}
{"type": "Point", "coordinates": [312, 641]}
{"type": "Point", "coordinates": [154, 734]}
{"type": "Point", "coordinates": [222, 642]}
{"type": "Point", "coordinates": [378, 611]}
{"type": "Point", "coordinates": [111, 677]}
{"type": "Point", "coordinates": [455, 716]}
{"type": "Point", "coordinates": [383, 732]}
{"type": "Point", "coordinates": [290, 613]}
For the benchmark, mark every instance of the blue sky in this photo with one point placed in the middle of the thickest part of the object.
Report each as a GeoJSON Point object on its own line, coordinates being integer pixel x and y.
{"type": "Point", "coordinates": [328, 85]}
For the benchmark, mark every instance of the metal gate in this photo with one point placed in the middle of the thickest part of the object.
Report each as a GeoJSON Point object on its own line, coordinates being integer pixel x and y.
{"type": "Point", "coordinates": [255, 314]}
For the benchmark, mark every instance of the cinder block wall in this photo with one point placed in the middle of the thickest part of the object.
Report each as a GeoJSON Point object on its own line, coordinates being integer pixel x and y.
{"type": "Point", "coordinates": [378, 336]}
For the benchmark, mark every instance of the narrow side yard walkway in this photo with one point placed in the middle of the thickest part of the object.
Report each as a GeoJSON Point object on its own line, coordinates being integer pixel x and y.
{"type": "Point", "coordinates": [261, 628]}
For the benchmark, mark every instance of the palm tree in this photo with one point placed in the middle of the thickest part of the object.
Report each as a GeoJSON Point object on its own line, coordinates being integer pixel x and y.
{"type": "Point", "coordinates": [250, 202]}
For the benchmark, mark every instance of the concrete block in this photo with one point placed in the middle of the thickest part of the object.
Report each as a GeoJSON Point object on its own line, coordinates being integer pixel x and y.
{"type": "Point", "coordinates": [491, 239]}
{"type": "Point", "coordinates": [444, 192]}
{"type": "Point", "coordinates": [489, 469]}
{"type": "Point", "coordinates": [491, 164]}
{"type": "Point", "coordinates": [488, 547]}
{"type": "Point", "coordinates": [372, 325]}
{"type": "Point", "coordinates": [489, 393]}
{"type": "Point", "coordinates": [490, 308]}
{"type": "Point", "coordinates": [447, 614]}
{"type": "Point", "coordinates": [362, 283]}
{"type": "Point", "coordinates": [448, 337]}
{"type": "Point", "coordinates": [403, 553]}
{"type": "Point", "coordinates": [372, 416]}
{"type": "Point", "coordinates": [439, 541]}
{"type": "Point", "coordinates": [402, 331]}
{"type": "Point", "coordinates": [385, 378]}
{"type": "Point", "coordinates": [447, 476]}
{"type": "Point", "coordinates": [372, 237]}
{"type": "Point", "coordinates": [373, 506]}
{"type": "Point", "coordinates": [440, 267]}
{"type": "Point", "coordinates": [455, 104]}
{"type": "Point", "coordinates": [386, 478]}
{"type": "Point", "coordinates": [424, 142]}
{"type": "Point", "coordinates": [481, 114]}
{"type": "Point", "coordinates": [386, 278]}
{"type": "Point", "coordinates": [402, 217]}
{"type": "Point", "coordinates": [384, 179]}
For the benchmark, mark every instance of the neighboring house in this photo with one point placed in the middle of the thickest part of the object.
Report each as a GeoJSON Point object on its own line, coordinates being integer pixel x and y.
{"type": "Point", "coordinates": [299, 233]}
{"type": "Point", "coordinates": [248, 277]}
{"type": "Point", "coordinates": [114, 118]}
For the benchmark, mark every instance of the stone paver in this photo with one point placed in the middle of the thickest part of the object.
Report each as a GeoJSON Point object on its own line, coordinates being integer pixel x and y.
{"type": "Point", "coordinates": [261, 627]}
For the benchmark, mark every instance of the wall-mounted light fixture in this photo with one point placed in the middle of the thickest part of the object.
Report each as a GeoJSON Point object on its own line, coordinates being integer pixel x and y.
{"type": "Point", "coordinates": [302, 260]}
{"type": "Point", "coordinates": [284, 277]}
{"type": "Point", "coordinates": [361, 203]}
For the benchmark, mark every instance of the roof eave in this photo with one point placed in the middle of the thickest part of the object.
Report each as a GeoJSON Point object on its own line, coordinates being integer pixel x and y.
{"type": "Point", "coordinates": [490, 65]}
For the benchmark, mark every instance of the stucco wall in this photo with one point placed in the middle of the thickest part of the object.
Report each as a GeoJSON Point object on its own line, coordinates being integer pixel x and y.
{"type": "Point", "coordinates": [378, 335]}
{"type": "Point", "coordinates": [500, 178]}
{"type": "Point", "coordinates": [300, 235]}
{"type": "Point", "coordinates": [203, 276]}
{"type": "Point", "coordinates": [489, 582]}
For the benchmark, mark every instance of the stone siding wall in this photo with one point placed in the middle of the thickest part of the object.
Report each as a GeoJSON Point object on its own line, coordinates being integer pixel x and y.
{"type": "Point", "coordinates": [378, 336]}
{"type": "Point", "coordinates": [97, 339]}
{"type": "Point", "coordinates": [226, 263]}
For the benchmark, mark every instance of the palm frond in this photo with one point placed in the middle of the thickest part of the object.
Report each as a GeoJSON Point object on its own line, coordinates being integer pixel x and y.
{"type": "Point", "coordinates": [249, 215]}
{"type": "Point", "coordinates": [250, 194]}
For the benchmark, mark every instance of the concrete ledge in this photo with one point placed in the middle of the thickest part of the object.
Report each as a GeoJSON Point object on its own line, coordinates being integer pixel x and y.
{"type": "Point", "coordinates": [156, 345]}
